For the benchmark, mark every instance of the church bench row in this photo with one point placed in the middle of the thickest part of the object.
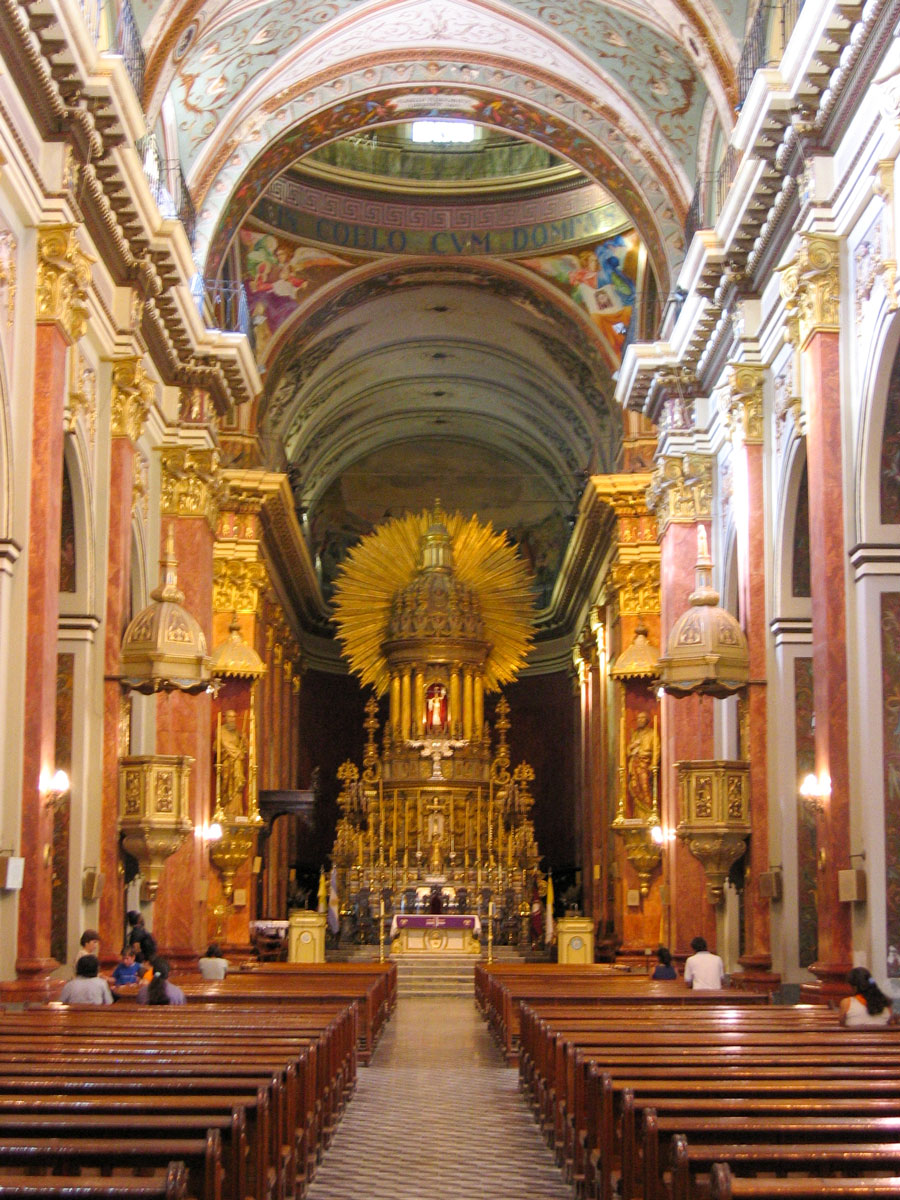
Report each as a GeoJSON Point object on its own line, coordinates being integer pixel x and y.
{"type": "Point", "coordinates": [170, 1186]}
{"type": "Point", "coordinates": [321, 1066]}
{"type": "Point", "coordinates": [502, 994]}
{"type": "Point", "coordinates": [660, 1053]}
{"type": "Point", "coordinates": [725, 1186]}
{"type": "Point", "coordinates": [84, 1156]}
{"type": "Point", "coordinates": [287, 1118]}
{"type": "Point", "coordinates": [797, 1150]}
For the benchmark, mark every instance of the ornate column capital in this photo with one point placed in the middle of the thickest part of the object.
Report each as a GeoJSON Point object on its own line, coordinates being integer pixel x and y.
{"type": "Point", "coordinates": [811, 288]}
{"type": "Point", "coordinates": [192, 485]}
{"type": "Point", "coordinates": [132, 398]}
{"type": "Point", "coordinates": [237, 584]}
{"type": "Point", "coordinates": [742, 404]}
{"type": "Point", "coordinates": [63, 280]}
{"type": "Point", "coordinates": [681, 489]}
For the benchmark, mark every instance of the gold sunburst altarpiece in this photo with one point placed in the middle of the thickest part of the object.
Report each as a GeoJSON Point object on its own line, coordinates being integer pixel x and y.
{"type": "Point", "coordinates": [388, 559]}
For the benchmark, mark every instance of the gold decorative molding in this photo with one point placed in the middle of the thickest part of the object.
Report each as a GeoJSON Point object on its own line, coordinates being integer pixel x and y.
{"type": "Point", "coordinates": [140, 486]}
{"type": "Point", "coordinates": [82, 395]}
{"type": "Point", "coordinates": [811, 289]}
{"type": "Point", "coordinates": [8, 246]}
{"type": "Point", "coordinates": [742, 404]}
{"type": "Point", "coordinates": [636, 581]}
{"type": "Point", "coordinates": [642, 852]}
{"type": "Point", "coordinates": [132, 398]}
{"type": "Point", "coordinates": [63, 280]}
{"type": "Point", "coordinates": [883, 187]}
{"type": "Point", "coordinates": [237, 584]}
{"type": "Point", "coordinates": [192, 485]}
{"type": "Point", "coordinates": [788, 400]}
{"type": "Point", "coordinates": [681, 489]}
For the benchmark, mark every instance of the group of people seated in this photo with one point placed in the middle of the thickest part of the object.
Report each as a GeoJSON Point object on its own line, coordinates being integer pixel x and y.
{"type": "Point", "coordinates": [139, 963]}
{"type": "Point", "coordinates": [866, 1005]}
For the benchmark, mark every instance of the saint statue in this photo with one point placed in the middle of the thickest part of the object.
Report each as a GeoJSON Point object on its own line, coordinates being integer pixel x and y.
{"type": "Point", "coordinates": [232, 765]}
{"type": "Point", "coordinates": [641, 758]}
{"type": "Point", "coordinates": [436, 861]}
{"type": "Point", "coordinates": [436, 705]}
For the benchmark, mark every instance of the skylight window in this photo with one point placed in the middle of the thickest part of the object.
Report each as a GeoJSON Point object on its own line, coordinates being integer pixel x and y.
{"type": "Point", "coordinates": [443, 132]}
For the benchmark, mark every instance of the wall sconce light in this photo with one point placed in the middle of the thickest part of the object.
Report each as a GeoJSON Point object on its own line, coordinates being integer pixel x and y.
{"type": "Point", "coordinates": [214, 831]}
{"type": "Point", "coordinates": [55, 789]}
{"type": "Point", "coordinates": [814, 791]}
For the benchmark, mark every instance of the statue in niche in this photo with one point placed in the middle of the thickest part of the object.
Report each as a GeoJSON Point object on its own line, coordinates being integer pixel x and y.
{"type": "Point", "coordinates": [232, 765]}
{"type": "Point", "coordinates": [642, 761]}
{"type": "Point", "coordinates": [436, 708]}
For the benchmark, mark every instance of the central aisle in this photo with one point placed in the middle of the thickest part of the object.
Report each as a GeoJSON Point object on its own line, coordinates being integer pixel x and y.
{"type": "Point", "coordinates": [438, 1116]}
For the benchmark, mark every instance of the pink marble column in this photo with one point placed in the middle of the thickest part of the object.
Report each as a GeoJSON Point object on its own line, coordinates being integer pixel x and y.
{"type": "Point", "coordinates": [118, 582]}
{"type": "Point", "coordinates": [33, 960]}
{"type": "Point", "coordinates": [751, 555]}
{"type": "Point", "coordinates": [687, 733]}
{"type": "Point", "coordinates": [184, 726]}
{"type": "Point", "coordinates": [829, 615]}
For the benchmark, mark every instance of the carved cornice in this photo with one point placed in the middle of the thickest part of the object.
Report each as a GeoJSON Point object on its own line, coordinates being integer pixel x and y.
{"type": "Point", "coordinates": [63, 280]}
{"type": "Point", "coordinates": [237, 584]}
{"type": "Point", "coordinates": [681, 490]}
{"type": "Point", "coordinates": [192, 484]}
{"type": "Point", "coordinates": [742, 405]}
{"type": "Point", "coordinates": [811, 288]}
{"type": "Point", "coordinates": [133, 395]}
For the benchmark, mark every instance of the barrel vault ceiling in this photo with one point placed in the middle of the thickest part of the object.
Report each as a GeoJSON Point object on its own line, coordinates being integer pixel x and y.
{"type": "Point", "coordinates": [432, 320]}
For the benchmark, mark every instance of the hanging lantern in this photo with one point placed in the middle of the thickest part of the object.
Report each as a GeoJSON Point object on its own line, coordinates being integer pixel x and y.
{"type": "Point", "coordinates": [234, 658]}
{"type": "Point", "coordinates": [164, 648]}
{"type": "Point", "coordinates": [707, 652]}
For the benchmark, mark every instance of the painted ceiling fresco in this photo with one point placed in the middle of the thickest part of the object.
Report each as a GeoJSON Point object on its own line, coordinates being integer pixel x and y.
{"type": "Point", "coordinates": [415, 344]}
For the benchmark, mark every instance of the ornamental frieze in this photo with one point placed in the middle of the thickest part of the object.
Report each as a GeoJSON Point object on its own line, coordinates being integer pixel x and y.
{"type": "Point", "coordinates": [191, 484]}
{"type": "Point", "coordinates": [637, 585]}
{"type": "Point", "coordinates": [811, 288]}
{"type": "Point", "coordinates": [63, 280]}
{"type": "Point", "coordinates": [681, 489]}
{"type": "Point", "coordinates": [237, 584]}
{"type": "Point", "coordinates": [133, 395]}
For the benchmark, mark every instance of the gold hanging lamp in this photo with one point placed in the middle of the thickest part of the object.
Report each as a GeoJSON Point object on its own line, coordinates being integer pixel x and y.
{"type": "Point", "coordinates": [164, 648]}
{"type": "Point", "coordinates": [707, 652]}
{"type": "Point", "coordinates": [234, 658]}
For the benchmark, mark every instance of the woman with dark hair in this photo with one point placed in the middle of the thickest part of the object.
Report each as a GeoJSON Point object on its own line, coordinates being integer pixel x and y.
{"type": "Point", "coordinates": [213, 965]}
{"type": "Point", "coordinates": [868, 1005]}
{"type": "Point", "coordinates": [159, 990]}
{"type": "Point", "coordinates": [664, 968]}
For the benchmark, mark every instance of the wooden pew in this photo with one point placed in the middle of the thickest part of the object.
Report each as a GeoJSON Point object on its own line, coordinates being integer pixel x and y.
{"type": "Point", "coordinates": [725, 1186]}
{"type": "Point", "coordinates": [171, 1186]}
{"type": "Point", "coordinates": [689, 1160]}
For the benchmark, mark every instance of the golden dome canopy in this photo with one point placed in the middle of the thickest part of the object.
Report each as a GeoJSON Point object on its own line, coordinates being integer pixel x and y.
{"type": "Point", "coordinates": [234, 658]}
{"type": "Point", "coordinates": [640, 660]}
{"type": "Point", "coordinates": [707, 652]}
{"type": "Point", "coordinates": [164, 648]}
{"type": "Point", "coordinates": [434, 575]}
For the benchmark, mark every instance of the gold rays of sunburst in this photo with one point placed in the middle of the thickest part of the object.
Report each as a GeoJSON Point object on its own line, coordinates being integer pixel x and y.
{"type": "Point", "coordinates": [386, 561]}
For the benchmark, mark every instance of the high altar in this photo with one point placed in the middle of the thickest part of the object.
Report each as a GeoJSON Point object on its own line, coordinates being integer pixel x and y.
{"type": "Point", "coordinates": [434, 611]}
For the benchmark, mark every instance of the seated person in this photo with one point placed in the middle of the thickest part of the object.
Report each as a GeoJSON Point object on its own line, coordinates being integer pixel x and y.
{"type": "Point", "coordinates": [212, 965]}
{"type": "Point", "coordinates": [703, 971]}
{"type": "Point", "coordinates": [87, 987]}
{"type": "Point", "coordinates": [90, 944]}
{"type": "Point", "coordinates": [868, 1005]}
{"type": "Point", "coordinates": [664, 968]}
{"type": "Point", "coordinates": [126, 970]}
{"type": "Point", "coordinates": [159, 990]}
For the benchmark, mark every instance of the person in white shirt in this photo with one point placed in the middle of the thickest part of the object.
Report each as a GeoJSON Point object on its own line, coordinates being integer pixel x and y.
{"type": "Point", "coordinates": [87, 987]}
{"type": "Point", "coordinates": [868, 1005]}
{"type": "Point", "coordinates": [703, 970]}
{"type": "Point", "coordinates": [212, 965]}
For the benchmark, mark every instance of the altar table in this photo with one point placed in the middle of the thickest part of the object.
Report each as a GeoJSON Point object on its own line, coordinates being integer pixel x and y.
{"type": "Point", "coordinates": [455, 933]}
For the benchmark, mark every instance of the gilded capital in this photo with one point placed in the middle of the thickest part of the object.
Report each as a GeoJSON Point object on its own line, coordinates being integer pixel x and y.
{"type": "Point", "coordinates": [743, 402]}
{"type": "Point", "coordinates": [237, 584]}
{"type": "Point", "coordinates": [132, 398]}
{"type": "Point", "coordinates": [681, 489]}
{"type": "Point", "coordinates": [192, 485]}
{"type": "Point", "coordinates": [811, 288]}
{"type": "Point", "coordinates": [63, 280]}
